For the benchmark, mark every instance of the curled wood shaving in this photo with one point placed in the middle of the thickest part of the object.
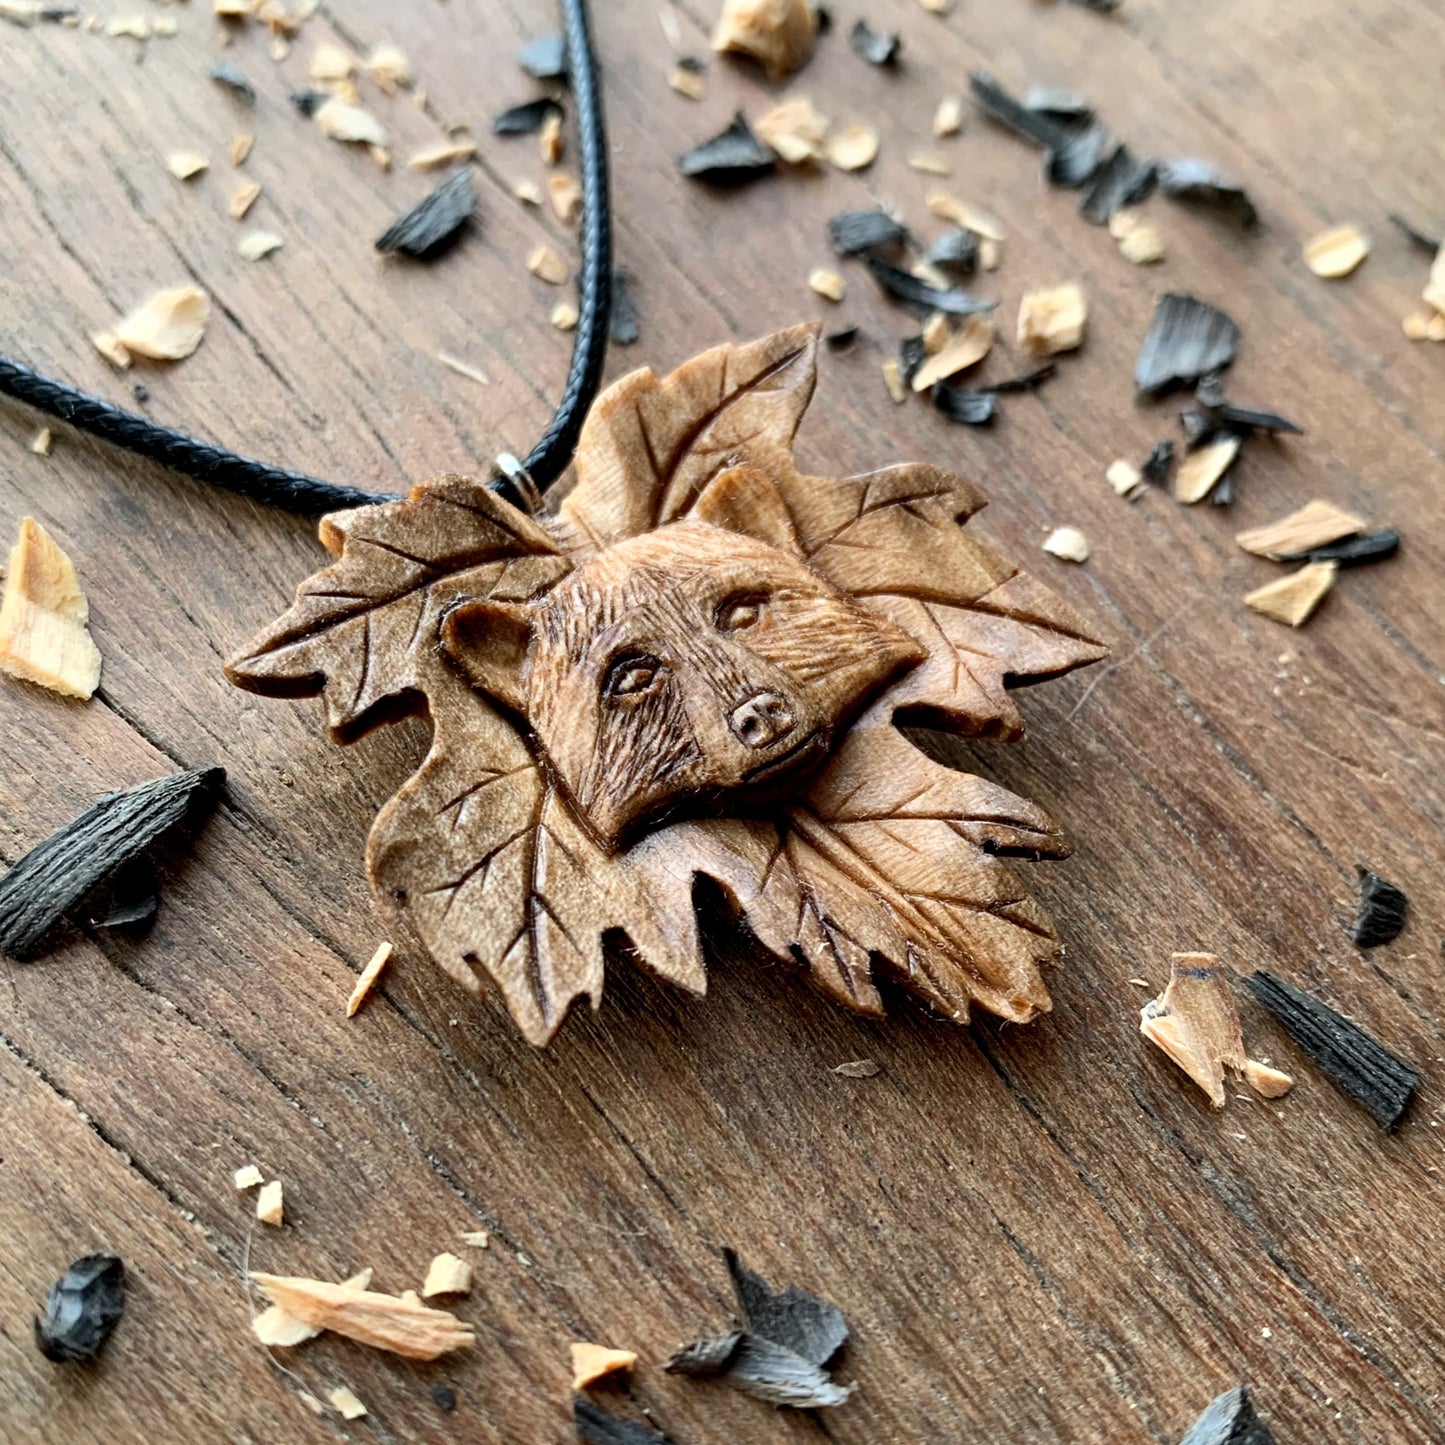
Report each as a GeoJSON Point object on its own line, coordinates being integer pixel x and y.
{"type": "Point", "coordinates": [1067, 543]}
{"type": "Point", "coordinates": [930, 163]}
{"type": "Point", "coordinates": [1124, 477]}
{"type": "Point", "coordinates": [828, 284]}
{"type": "Point", "coordinates": [1336, 252]}
{"type": "Point", "coordinates": [108, 344]}
{"type": "Point", "coordinates": [948, 118]}
{"type": "Point", "coordinates": [248, 1176]}
{"type": "Point", "coordinates": [346, 1403]}
{"type": "Point", "coordinates": [273, 1326]}
{"type": "Point", "coordinates": [687, 82]}
{"type": "Point", "coordinates": [271, 1204]}
{"type": "Point", "coordinates": [564, 316]}
{"type": "Point", "coordinates": [893, 380]}
{"type": "Point", "coordinates": [549, 138]}
{"type": "Point", "coordinates": [565, 194]}
{"type": "Point", "coordinates": [256, 244]}
{"type": "Point", "coordinates": [591, 1363]}
{"type": "Point", "coordinates": [442, 153]}
{"type": "Point", "coordinates": [1292, 599]}
{"type": "Point", "coordinates": [854, 148]}
{"type": "Point", "coordinates": [331, 62]}
{"type": "Point", "coordinates": [950, 208]}
{"type": "Point", "coordinates": [381, 957]}
{"type": "Point", "coordinates": [778, 34]}
{"type": "Point", "coordinates": [447, 1274]}
{"type": "Point", "coordinates": [1202, 468]}
{"type": "Point", "coordinates": [43, 636]}
{"type": "Point", "coordinates": [350, 123]}
{"type": "Point", "coordinates": [796, 129]}
{"type": "Point", "coordinates": [1315, 524]}
{"type": "Point", "coordinates": [964, 348]}
{"type": "Point", "coordinates": [547, 265]}
{"type": "Point", "coordinates": [185, 165]}
{"type": "Point", "coordinates": [404, 1326]}
{"type": "Point", "coordinates": [389, 67]}
{"type": "Point", "coordinates": [241, 144]}
{"type": "Point", "coordinates": [168, 325]}
{"type": "Point", "coordinates": [1196, 1023]}
{"type": "Point", "coordinates": [242, 199]}
{"type": "Point", "coordinates": [1053, 320]}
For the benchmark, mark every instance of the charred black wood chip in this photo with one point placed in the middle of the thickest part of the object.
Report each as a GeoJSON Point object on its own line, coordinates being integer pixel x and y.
{"type": "Point", "coordinates": [622, 324]}
{"type": "Point", "coordinates": [695, 63]}
{"type": "Point", "coordinates": [58, 873]}
{"type": "Point", "coordinates": [855, 232]}
{"type": "Point", "coordinates": [1013, 114]}
{"type": "Point", "coordinates": [922, 298]}
{"type": "Point", "coordinates": [445, 1397]}
{"type": "Point", "coordinates": [704, 1357]}
{"type": "Point", "coordinates": [841, 340]}
{"type": "Point", "coordinates": [911, 354]}
{"type": "Point", "coordinates": [1382, 910]}
{"type": "Point", "coordinates": [964, 404]}
{"type": "Point", "coordinates": [432, 225]}
{"type": "Point", "coordinates": [545, 59]}
{"type": "Point", "coordinates": [527, 118]}
{"type": "Point", "coordinates": [1156, 466]}
{"type": "Point", "coordinates": [1229, 1419]}
{"type": "Point", "coordinates": [1104, 7]}
{"type": "Point", "coordinates": [1357, 551]}
{"type": "Point", "coordinates": [1226, 489]}
{"type": "Point", "coordinates": [1074, 162]}
{"type": "Point", "coordinates": [876, 47]}
{"type": "Point", "coordinates": [1187, 338]}
{"type": "Point", "coordinates": [1198, 183]}
{"type": "Point", "coordinates": [308, 102]}
{"type": "Point", "coordinates": [595, 1426]}
{"type": "Point", "coordinates": [228, 73]}
{"type": "Point", "coordinates": [731, 158]}
{"type": "Point", "coordinates": [1361, 1066]}
{"type": "Point", "coordinates": [81, 1309]}
{"type": "Point", "coordinates": [1243, 419]}
{"type": "Point", "coordinates": [130, 899]}
{"type": "Point", "coordinates": [1199, 426]}
{"type": "Point", "coordinates": [1066, 106]}
{"type": "Point", "coordinates": [1120, 181]}
{"type": "Point", "coordinates": [793, 1318]}
{"type": "Point", "coordinates": [955, 250]}
{"type": "Point", "coordinates": [769, 1371]}
{"type": "Point", "coordinates": [1425, 240]}
{"type": "Point", "coordinates": [1027, 380]}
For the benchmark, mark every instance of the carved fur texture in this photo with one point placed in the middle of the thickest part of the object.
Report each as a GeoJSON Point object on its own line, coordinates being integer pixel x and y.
{"type": "Point", "coordinates": [694, 666]}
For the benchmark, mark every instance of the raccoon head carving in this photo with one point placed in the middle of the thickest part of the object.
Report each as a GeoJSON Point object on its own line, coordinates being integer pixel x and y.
{"type": "Point", "coordinates": [679, 667]}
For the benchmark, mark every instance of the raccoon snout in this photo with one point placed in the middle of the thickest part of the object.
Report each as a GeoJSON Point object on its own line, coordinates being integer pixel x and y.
{"type": "Point", "coordinates": [761, 720]}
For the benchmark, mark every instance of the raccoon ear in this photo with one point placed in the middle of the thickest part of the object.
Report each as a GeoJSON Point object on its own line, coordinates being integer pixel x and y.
{"type": "Point", "coordinates": [488, 641]}
{"type": "Point", "coordinates": [746, 500]}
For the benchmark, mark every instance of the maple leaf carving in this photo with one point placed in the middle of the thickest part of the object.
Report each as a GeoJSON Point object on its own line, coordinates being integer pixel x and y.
{"type": "Point", "coordinates": [693, 667]}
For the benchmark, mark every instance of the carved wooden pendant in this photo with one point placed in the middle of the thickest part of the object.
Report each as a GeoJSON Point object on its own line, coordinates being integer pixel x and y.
{"type": "Point", "coordinates": [694, 666]}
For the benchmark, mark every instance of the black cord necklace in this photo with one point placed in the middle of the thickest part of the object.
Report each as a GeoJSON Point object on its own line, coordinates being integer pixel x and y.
{"type": "Point", "coordinates": [296, 492]}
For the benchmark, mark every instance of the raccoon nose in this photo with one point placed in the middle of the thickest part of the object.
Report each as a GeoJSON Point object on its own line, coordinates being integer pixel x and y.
{"type": "Point", "coordinates": [761, 720]}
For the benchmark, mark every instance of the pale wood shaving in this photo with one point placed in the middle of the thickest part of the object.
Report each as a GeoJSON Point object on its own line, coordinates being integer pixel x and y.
{"type": "Point", "coordinates": [989, 253]}
{"type": "Point", "coordinates": [186, 165]}
{"type": "Point", "coordinates": [163, 27]}
{"type": "Point", "coordinates": [1067, 543]}
{"type": "Point", "coordinates": [331, 62]}
{"type": "Point", "coordinates": [131, 27]}
{"type": "Point", "coordinates": [1124, 477]}
{"type": "Point", "coordinates": [273, 1326]}
{"type": "Point", "coordinates": [1316, 524]}
{"type": "Point", "coordinates": [109, 346]}
{"type": "Point", "coordinates": [464, 368]}
{"type": "Point", "coordinates": [43, 635]}
{"type": "Point", "coordinates": [1196, 1023]}
{"type": "Point", "coordinates": [233, 9]}
{"type": "Point", "coordinates": [168, 325]}
{"type": "Point", "coordinates": [1140, 240]}
{"type": "Point", "coordinates": [1434, 292]}
{"type": "Point", "coordinates": [271, 1203]}
{"type": "Point", "coordinates": [936, 332]}
{"type": "Point", "coordinates": [795, 129]}
{"type": "Point", "coordinates": [346, 1403]}
{"type": "Point", "coordinates": [1435, 330]}
{"type": "Point", "coordinates": [404, 1326]}
{"type": "Point", "coordinates": [352, 124]}
{"type": "Point", "coordinates": [241, 144]}
{"type": "Point", "coordinates": [828, 284]}
{"type": "Point", "coordinates": [778, 34]}
{"type": "Point", "coordinates": [256, 244]}
{"type": "Point", "coordinates": [950, 208]}
{"type": "Point", "coordinates": [447, 1274]}
{"type": "Point", "coordinates": [1292, 599]}
{"type": "Point", "coordinates": [389, 67]}
{"type": "Point", "coordinates": [1202, 468]}
{"type": "Point", "coordinates": [528, 192]}
{"type": "Point", "coordinates": [853, 148]}
{"type": "Point", "coordinates": [549, 139]}
{"type": "Point", "coordinates": [893, 380]}
{"type": "Point", "coordinates": [591, 1363]}
{"type": "Point", "coordinates": [564, 316]}
{"type": "Point", "coordinates": [477, 1238]}
{"type": "Point", "coordinates": [381, 157]}
{"type": "Point", "coordinates": [937, 7]}
{"type": "Point", "coordinates": [242, 199]}
{"type": "Point", "coordinates": [1268, 1082]}
{"type": "Point", "coordinates": [248, 1176]}
{"type": "Point", "coordinates": [278, 48]}
{"type": "Point", "coordinates": [948, 118]}
{"type": "Point", "coordinates": [1053, 320]}
{"type": "Point", "coordinates": [964, 348]}
{"type": "Point", "coordinates": [930, 163]}
{"type": "Point", "coordinates": [1336, 252]}
{"type": "Point", "coordinates": [379, 959]}
{"type": "Point", "coordinates": [566, 195]}
{"type": "Point", "coordinates": [1416, 325]}
{"type": "Point", "coordinates": [41, 442]}
{"type": "Point", "coordinates": [442, 153]}
{"type": "Point", "coordinates": [687, 82]}
{"type": "Point", "coordinates": [547, 265]}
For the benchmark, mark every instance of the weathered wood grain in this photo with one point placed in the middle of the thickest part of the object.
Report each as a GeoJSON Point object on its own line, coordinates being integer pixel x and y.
{"type": "Point", "coordinates": [1038, 1234]}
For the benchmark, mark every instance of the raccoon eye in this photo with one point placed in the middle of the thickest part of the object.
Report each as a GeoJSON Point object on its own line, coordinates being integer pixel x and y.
{"type": "Point", "coordinates": [739, 611]}
{"type": "Point", "coordinates": [629, 676]}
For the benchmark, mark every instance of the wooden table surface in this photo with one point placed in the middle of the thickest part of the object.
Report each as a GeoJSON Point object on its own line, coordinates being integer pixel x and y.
{"type": "Point", "coordinates": [1038, 1234]}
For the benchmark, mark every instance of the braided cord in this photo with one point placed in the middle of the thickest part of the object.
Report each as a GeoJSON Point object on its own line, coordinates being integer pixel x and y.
{"type": "Point", "coordinates": [297, 492]}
